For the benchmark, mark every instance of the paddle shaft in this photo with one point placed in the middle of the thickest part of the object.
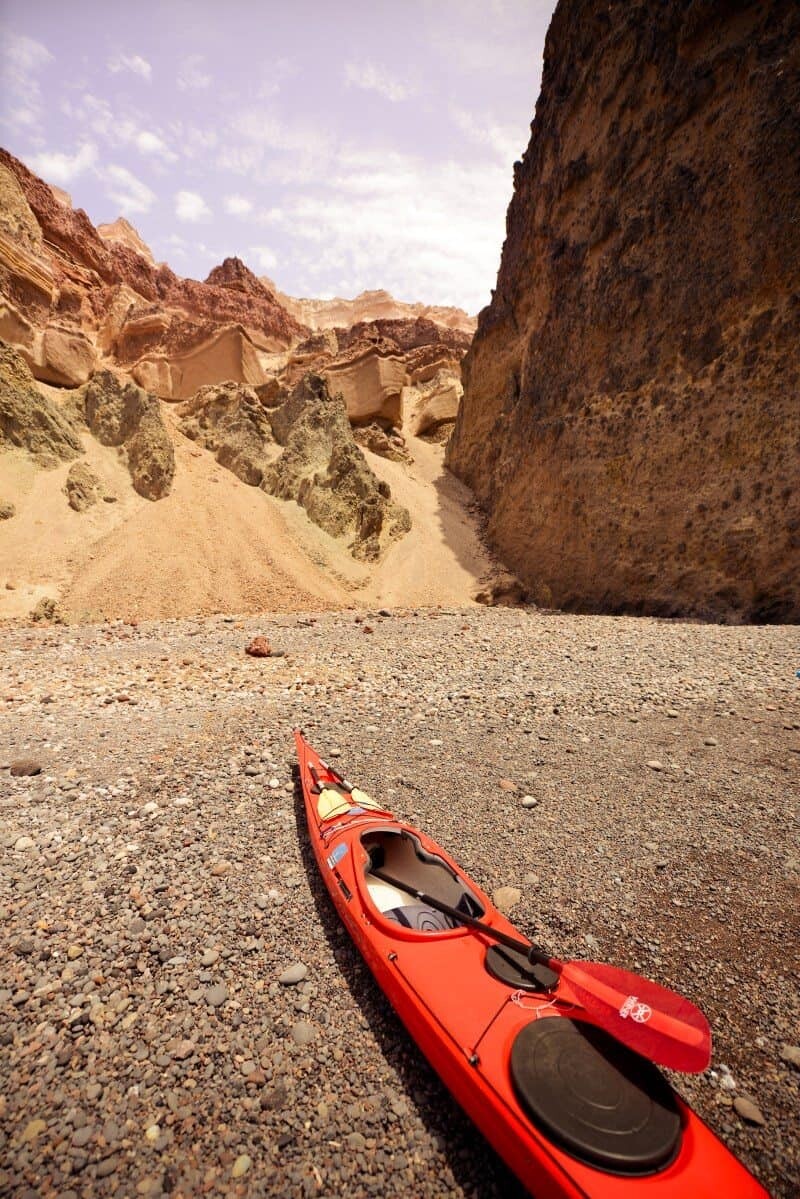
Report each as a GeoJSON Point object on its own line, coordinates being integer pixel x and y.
{"type": "Point", "coordinates": [533, 954]}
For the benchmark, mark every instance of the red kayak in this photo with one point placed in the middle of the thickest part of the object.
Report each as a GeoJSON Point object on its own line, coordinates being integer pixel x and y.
{"type": "Point", "coordinates": [526, 1047]}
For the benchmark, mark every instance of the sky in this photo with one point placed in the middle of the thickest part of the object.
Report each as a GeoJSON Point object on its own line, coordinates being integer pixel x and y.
{"type": "Point", "coordinates": [333, 146]}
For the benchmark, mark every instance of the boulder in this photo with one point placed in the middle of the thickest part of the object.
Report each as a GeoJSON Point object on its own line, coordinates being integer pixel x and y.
{"type": "Point", "coordinates": [324, 471]}
{"type": "Point", "coordinates": [122, 414]}
{"type": "Point", "coordinates": [64, 357]}
{"type": "Point", "coordinates": [28, 420]}
{"type": "Point", "coordinates": [388, 443]}
{"type": "Point", "coordinates": [82, 487]}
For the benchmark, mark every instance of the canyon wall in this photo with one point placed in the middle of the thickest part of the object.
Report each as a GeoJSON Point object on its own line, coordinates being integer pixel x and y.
{"type": "Point", "coordinates": [631, 416]}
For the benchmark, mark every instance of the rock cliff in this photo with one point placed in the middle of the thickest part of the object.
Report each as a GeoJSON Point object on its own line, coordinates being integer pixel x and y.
{"type": "Point", "coordinates": [368, 306]}
{"type": "Point", "coordinates": [630, 417]}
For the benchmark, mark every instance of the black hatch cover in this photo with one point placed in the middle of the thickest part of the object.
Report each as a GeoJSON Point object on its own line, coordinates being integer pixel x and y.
{"type": "Point", "coordinates": [595, 1098]}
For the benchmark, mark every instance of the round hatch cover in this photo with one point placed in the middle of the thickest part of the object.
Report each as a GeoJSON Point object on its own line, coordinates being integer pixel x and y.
{"type": "Point", "coordinates": [597, 1099]}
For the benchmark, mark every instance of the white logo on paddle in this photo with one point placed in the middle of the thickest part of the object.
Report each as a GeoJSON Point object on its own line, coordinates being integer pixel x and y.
{"type": "Point", "coordinates": [640, 1012]}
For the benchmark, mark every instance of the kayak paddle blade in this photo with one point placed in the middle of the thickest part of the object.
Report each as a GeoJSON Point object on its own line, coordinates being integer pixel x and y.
{"type": "Point", "coordinates": [650, 1019]}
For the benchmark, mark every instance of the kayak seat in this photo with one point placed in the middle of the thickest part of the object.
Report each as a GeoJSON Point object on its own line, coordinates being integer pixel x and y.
{"type": "Point", "coordinates": [421, 918]}
{"type": "Point", "coordinates": [597, 1099]}
{"type": "Point", "coordinates": [403, 857]}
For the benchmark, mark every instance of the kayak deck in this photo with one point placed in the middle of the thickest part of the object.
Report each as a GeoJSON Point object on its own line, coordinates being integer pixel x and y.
{"type": "Point", "coordinates": [615, 1128]}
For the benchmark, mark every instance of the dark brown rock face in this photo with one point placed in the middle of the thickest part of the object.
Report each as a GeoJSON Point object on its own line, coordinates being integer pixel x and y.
{"type": "Point", "coordinates": [631, 415]}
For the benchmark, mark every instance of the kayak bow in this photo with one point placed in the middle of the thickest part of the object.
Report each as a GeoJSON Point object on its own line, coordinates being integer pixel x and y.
{"type": "Point", "coordinates": [573, 1112]}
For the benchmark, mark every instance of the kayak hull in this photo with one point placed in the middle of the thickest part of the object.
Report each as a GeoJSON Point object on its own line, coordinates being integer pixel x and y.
{"type": "Point", "coordinates": [465, 1020]}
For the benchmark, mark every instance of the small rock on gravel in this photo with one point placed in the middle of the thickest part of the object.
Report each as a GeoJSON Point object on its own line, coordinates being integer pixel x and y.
{"type": "Point", "coordinates": [747, 1109]}
{"type": "Point", "coordinates": [303, 1033]}
{"type": "Point", "coordinates": [259, 647]}
{"type": "Point", "coordinates": [241, 1166]}
{"type": "Point", "coordinates": [215, 996]}
{"type": "Point", "coordinates": [505, 898]}
{"type": "Point", "coordinates": [791, 1054]}
{"type": "Point", "coordinates": [25, 766]}
{"type": "Point", "coordinates": [293, 974]}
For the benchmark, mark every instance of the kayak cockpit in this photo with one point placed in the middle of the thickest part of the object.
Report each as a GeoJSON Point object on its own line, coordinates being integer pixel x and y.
{"type": "Point", "coordinates": [401, 855]}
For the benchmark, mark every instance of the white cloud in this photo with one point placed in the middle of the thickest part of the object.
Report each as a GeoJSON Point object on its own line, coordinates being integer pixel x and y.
{"type": "Point", "coordinates": [372, 79]}
{"type": "Point", "coordinates": [96, 116]}
{"type": "Point", "coordinates": [189, 206]}
{"type": "Point", "coordinates": [191, 76]}
{"type": "Point", "coordinates": [506, 142]}
{"type": "Point", "coordinates": [21, 59]}
{"type": "Point", "coordinates": [237, 205]}
{"type": "Point", "coordinates": [150, 143]}
{"type": "Point", "coordinates": [397, 221]}
{"type": "Point", "coordinates": [57, 167]}
{"type": "Point", "coordinates": [130, 193]}
{"type": "Point", "coordinates": [264, 257]}
{"type": "Point", "coordinates": [130, 62]}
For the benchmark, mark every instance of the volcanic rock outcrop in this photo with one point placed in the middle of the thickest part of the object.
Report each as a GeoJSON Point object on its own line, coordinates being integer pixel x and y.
{"type": "Point", "coordinates": [233, 422]}
{"type": "Point", "coordinates": [300, 449]}
{"type": "Point", "coordinates": [323, 469]}
{"type": "Point", "coordinates": [28, 420]}
{"type": "Point", "coordinates": [630, 417]}
{"type": "Point", "coordinates": [123, 415]}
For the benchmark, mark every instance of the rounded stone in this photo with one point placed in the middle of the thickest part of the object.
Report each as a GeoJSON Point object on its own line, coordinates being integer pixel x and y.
{"type": "Point", "coordinates": [293, 974]}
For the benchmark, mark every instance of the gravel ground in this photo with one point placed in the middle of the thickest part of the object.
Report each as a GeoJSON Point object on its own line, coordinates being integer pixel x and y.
{"type": "Point", "coordinates": [156, 881]}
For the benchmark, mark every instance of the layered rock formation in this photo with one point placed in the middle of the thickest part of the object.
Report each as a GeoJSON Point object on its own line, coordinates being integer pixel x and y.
{"type": "Point", "coordinates": [386, 371]}
{"type": "Point", "coordinates": [630, 416]}
{"type": "Point", "coordinates": [74, 298]}
{"type": "Point", "coordinates": [368, 306]}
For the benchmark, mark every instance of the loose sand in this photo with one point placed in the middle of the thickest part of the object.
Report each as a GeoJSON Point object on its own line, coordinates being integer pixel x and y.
{"type": "Point", "coordinates": [216, 545]}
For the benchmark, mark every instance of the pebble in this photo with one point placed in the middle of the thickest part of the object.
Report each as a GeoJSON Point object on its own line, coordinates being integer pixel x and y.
{"type": "Point", "coordinates": [217, 995]}
{"type": "Point", "coordinates": [303, 1033]}
{"type": "Point", "coordinates": [293, 974]}
{"type": "Point", "coordinates": [506, 898]}
{"type": "Point", "coordinates": [791, 1054]}
{"type": "Point", "coordinates": [654, 764]}
{"type": "Point", "coordinates": [210, 957]}
{"type": "Point", "coordinates": [748, 1110]}
{"type": "Point", "coordinates": [241, 1166]}
{"type": "Point", "coordinates": [32, 1130]}
{"type": "Point", "coordinates": [25, 766]}
{"type": "Point", "coordinates": [529, 801]}
{"type": "Point", "coordinates": [24, 843]}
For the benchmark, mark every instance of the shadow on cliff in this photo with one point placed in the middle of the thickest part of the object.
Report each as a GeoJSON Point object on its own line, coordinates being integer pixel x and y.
{"type": "Point", "coordinates": [475, 1166]}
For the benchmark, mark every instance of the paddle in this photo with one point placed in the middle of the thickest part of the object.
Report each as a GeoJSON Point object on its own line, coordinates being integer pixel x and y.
{"type": "Point", "coordinates": [650, 1019]}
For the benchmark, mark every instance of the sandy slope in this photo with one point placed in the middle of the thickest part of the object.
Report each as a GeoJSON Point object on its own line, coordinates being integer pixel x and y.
{"type": "Point", "coordinates": [440, 560]}
{"type": "Point", "coordinates": [215, 544]}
